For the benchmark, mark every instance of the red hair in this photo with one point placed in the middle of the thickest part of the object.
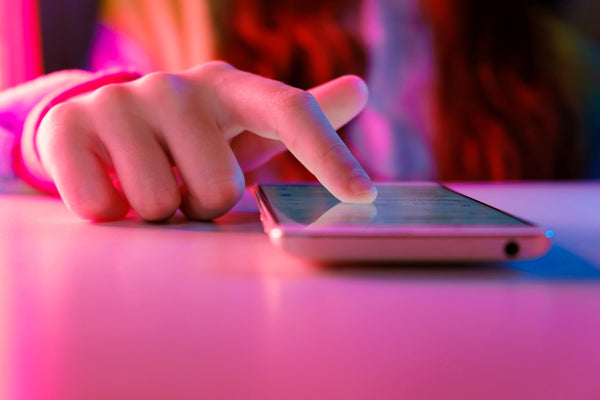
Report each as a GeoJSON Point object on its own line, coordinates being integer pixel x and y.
{"type": "Point", "coordinates": [303, 43]}
{"type": "Point", "coordinates": [500, 111]}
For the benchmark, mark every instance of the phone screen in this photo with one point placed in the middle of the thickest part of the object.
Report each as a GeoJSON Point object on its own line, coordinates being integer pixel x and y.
{"type": "Point", "coordinates": [398, 204]}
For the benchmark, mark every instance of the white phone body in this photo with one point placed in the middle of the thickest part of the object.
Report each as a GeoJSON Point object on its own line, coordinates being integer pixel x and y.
{"type": "Point", "coordinates": [422, 221]}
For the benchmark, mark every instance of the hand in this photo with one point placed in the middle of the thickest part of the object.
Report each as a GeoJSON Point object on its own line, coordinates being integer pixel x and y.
{"type": "Point", "coordinates": [183, 140]}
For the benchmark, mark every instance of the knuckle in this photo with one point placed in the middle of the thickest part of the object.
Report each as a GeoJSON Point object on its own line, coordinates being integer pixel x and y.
{"type": "Point", "coordinates": [58, 129]}
{"type": "Point", "coordinates": [161, 82]}
{"type": "Point", "coordinates": [60, 113]}
{"type": "Point", "coordinates": [207, 77]}
{"type": "Point", "coordinates": [334, 152]}
{"type": "Point", "coordinates": [293, 100]}
{"type": "Point", "coordinates": [161, 88]}
{"type": "Point", "coordinates": [211, 69]}
{"type": "Point", "coordinates": [218, 65]}
{"type": "Point", "coordinates": [60, 117]}
{"type": "Point", "coordinates": [101, 207]}
{"type": "Point", "coordinates": [111, 97]}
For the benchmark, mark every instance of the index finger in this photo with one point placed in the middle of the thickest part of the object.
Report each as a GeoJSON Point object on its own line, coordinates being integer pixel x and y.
{"type": "Point", "coordinates": [274, 110]}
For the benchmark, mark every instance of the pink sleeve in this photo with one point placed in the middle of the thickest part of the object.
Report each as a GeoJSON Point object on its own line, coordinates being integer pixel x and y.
{"type": "Point", "coordinates": [22, 108]}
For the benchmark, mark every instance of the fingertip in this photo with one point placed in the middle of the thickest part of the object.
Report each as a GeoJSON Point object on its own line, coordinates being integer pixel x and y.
{"type": "Point", "coordinates": [113, 206]}
{"type": "Point", "coordinates": [342, 99]}
{"type": "Point", "coordinates": [360, 88]}
{"type": "Point", "coordinates": [361, 188]}
{"type": "Point", "coordinates": [358, 188]}
{"type": "Point", "coordinates": [116, 212]}
{"type": "Point", "coordinates": [365, 197]}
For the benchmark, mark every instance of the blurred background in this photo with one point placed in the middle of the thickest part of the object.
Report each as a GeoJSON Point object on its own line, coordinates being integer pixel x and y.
{"type": "Point", "coordinates": [460, 89]}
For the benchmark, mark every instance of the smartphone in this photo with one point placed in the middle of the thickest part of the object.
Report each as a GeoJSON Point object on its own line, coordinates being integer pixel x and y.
{"type": "Point", "coordinates": [416, 221]}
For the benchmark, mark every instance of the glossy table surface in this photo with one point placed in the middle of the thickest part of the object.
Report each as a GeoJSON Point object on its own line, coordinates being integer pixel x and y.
{"type": "Point", "coordinates": [213, 311]}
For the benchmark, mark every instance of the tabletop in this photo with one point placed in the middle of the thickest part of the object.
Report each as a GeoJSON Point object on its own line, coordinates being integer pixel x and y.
{"type": "Point", "coordinates": [211, 310]}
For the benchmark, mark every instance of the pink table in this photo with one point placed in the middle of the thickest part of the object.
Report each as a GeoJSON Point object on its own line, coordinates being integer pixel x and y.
{"type": "Point", "coordinates": [212, 311]}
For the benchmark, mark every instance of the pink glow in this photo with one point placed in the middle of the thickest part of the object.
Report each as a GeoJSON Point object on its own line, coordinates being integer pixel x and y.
{"type": "Point", "coordinates": [199, 310]}
{"type": "Point", "coordinates": [5, 335]}
{"type": "Point", "coordinates": [20, 50]}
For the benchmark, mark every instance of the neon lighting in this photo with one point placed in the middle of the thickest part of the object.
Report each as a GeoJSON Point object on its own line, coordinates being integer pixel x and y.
{"type": "Point", "coordinates": [20, 48]}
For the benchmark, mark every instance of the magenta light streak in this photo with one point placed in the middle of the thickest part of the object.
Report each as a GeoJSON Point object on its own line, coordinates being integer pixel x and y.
{"type": "Point", "coordinates": [20, 54]}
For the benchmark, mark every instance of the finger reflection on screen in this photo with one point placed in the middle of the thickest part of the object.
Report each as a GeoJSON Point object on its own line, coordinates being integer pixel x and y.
{"type": "Point", "coordinates": [347, 214]}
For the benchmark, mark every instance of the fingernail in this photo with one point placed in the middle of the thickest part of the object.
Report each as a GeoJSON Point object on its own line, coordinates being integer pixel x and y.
{"type": "Point", "coordinates": [362, 187]}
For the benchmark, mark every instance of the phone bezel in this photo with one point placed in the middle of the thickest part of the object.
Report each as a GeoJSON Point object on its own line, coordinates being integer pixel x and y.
{"type": "Point", "coordinates": [405, 242]}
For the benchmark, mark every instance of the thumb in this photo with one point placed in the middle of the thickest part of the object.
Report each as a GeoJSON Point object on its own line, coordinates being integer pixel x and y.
{"type": "Point", "coordinates": [341, 99]}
